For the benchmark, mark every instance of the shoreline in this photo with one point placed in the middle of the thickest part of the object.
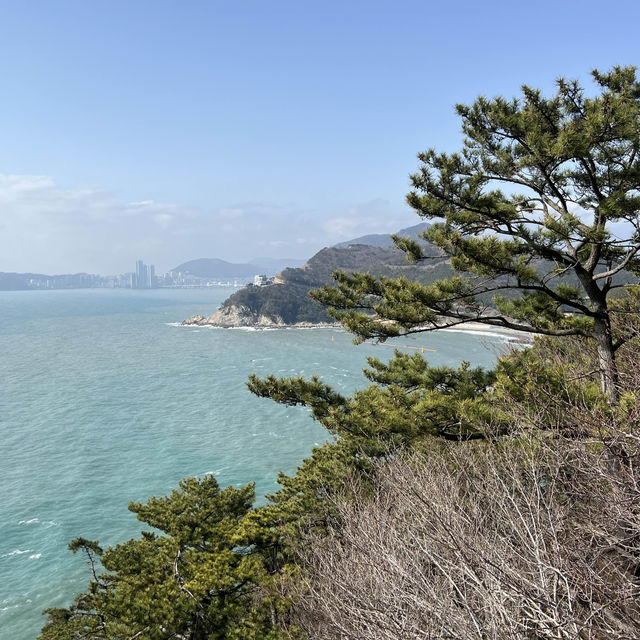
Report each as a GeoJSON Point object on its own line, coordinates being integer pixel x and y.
{"type": "Point", "coordinates": [259, 327]}
{"type": "Point", "coordinates": [480, 328]}
{"type": "Point", "coordinates": [237, 322]}
{"type": "Point", "coordinates": [474, 328]}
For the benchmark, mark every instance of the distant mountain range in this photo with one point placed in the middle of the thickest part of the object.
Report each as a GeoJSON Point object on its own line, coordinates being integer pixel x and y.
{"type": "Point", "coordinates": [287, 302]}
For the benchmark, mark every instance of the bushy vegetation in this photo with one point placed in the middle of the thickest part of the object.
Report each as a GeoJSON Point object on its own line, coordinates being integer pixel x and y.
{"type": "Point", "coordinates": [288, 303]}
{"type": "Point", "coordinates": [452, 502]}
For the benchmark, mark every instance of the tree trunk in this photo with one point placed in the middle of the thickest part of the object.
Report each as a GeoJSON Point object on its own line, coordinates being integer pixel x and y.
{"type": "Point", "coordinates": [607, 359]}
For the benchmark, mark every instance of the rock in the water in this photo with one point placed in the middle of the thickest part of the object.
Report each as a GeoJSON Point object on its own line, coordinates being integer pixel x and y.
{"type": "Point", "coordinates": [197, 320]}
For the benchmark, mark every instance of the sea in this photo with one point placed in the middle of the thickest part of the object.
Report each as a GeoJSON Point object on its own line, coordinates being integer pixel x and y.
{"type": "Point", "coordinates": [105, 398]}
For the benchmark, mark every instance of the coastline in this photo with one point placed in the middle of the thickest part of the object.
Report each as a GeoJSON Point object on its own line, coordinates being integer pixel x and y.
{"type": "Point", "coordinates": [239, 321]}
{"type": "Point", "coordinates": [477, 328]}
{"type": "Point", "coordinates": [261, 326]}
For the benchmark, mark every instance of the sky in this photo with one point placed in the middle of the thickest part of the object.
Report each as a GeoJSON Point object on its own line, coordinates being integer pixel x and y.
{"type": "Point", "coordinates": [168, 131]}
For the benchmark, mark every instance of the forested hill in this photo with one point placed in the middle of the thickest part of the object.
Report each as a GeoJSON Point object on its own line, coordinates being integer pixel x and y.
{"type": "Point", "coordinates": [286, 302]}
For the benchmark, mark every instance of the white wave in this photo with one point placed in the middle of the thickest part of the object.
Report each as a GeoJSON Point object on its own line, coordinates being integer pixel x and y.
{"type": "Point", "coordinates": [44, 523]}
{"type": "Point", "coordinates": [35, 556]}
{"type": "Point", "coordinates": [215, 472]}
{"type": "Point", "coordinates": [13, 606]}
{"type": "Point", "coordinates": [190, 326]}
{"type": "Point", "coordinates": [16, 552]}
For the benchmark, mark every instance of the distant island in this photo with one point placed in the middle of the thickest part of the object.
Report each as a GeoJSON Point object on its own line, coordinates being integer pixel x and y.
{"type": "Point", "coordinates": [285, 301]}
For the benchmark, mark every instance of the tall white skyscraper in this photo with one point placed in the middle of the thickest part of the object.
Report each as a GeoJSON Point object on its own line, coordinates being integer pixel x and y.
{"type": "Point", "coordinates": [145, 275]}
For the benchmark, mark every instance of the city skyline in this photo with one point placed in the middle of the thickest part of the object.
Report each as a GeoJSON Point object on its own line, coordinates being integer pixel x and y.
{"type": "Point", "coordinates": [142, 277]}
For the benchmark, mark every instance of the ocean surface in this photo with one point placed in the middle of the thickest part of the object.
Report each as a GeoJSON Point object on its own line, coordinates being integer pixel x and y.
{"type": "Point", "coordinates": [104, 399]}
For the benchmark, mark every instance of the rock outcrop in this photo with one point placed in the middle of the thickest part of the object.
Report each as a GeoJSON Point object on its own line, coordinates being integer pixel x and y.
{"type": "Point", "coordinates": [235, 316]}
{"type": "Point", "coordinates": [241, 316]}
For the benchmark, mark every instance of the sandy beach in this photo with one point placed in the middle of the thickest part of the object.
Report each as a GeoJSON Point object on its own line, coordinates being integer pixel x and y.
{"type": "Point", "coordinates": [487, 329]}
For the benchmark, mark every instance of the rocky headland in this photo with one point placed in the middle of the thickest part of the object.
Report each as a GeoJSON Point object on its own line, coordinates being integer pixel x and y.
{"type": "Point", "coordinates": [235, 317]}
{"type": "Point", "coordinates": [275, 305]}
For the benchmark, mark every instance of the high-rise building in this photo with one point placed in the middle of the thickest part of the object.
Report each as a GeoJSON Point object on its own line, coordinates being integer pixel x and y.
{"type": "Point", "coordinates": [139, 274]}
{"type": "Point", "coordinates": [145, 277]}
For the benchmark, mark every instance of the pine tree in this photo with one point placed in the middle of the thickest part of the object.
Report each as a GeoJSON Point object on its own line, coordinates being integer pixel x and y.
{"type": "Point", "coordinates": [544, 259]}
{"type": "Point", "coordinates": [195, 576]}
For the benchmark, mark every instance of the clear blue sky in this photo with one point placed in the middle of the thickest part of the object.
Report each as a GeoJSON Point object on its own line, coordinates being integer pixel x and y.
{"type": "Point", "coordinates": [175, 130]}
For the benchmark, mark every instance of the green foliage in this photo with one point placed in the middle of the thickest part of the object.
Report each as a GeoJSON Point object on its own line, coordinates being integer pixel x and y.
{"type": "Point", "coordinates": [407, 406]}
{"type": "Point", "coordinates": [320, 398]}
{"type": "Point", "coordinates": [408, 401]}
{"type": "Point", "coordinates": [89, 546]}
{"type": "Point", "coordinates": [197, 578]}
{"type": "Point", "coordinates": [543, 385]}
{"type": "Point", "coordinates": [288, 303]}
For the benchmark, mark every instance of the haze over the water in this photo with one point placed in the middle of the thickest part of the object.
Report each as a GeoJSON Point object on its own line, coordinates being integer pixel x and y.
{"type": "Point", "coordinates": [168, 131]}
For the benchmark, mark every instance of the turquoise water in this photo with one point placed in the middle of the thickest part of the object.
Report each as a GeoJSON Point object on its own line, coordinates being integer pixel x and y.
{"type": "Point", "coordinates": [104, 399]}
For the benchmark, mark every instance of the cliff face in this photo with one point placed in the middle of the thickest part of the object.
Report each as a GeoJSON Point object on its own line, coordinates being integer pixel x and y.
{"type": "Point", "coordinates": [288, 303]}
